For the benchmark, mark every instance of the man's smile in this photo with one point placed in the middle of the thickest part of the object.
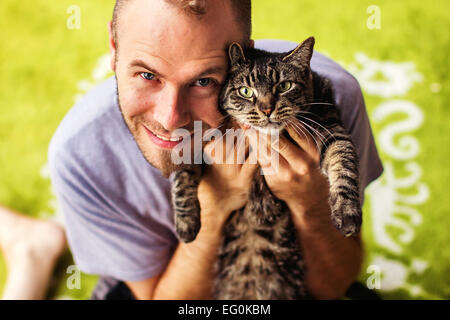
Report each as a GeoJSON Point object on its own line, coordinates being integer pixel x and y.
{"type": "Point", "coordinates": [163, 141]}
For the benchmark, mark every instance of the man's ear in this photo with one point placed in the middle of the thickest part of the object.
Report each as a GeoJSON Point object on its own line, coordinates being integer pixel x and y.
{"type": "Point", "coordinates": [236, 53]}
{"type": "Point", "coordinates": [112, 48]}
{"type": "Point", "coordinates": [302, 54]}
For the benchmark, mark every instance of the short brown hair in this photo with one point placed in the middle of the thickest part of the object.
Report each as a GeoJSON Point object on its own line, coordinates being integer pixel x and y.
{"type": "Point", "coordinates": [241, 8]}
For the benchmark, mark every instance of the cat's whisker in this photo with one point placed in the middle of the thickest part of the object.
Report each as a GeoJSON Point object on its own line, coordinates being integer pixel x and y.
{"type": "Point", "coordinates": [328, 131]}
{"type": "Point", "coordinates": [302, 131]}
{"type": "Point", "coordinates": [322, 137]}
{"type": "Point", "coordinates": [318, 103]}
{"type": "Point", "coordinates": [304, 112]}
{"type": "Point", "coordinates": [298, 125]}
{"type": "Point", "coordinates": [319, 135]}
{"type": "Point", "coordinates": [299, 113]}
{"type": "Point", "coordinates": [291, 122]}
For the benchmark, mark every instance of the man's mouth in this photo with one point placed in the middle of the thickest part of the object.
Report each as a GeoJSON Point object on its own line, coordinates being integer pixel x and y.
{"type": "Point", "coordinates": [162, 141]}
{"type": "Point", "coordinates": [168, 139]}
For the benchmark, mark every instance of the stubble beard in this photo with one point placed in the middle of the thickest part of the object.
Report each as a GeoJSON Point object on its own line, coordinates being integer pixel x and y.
{"type": "Point", "coordinates": [158, 158]}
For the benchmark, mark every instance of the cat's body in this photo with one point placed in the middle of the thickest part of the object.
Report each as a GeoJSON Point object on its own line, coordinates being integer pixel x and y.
{"type": "Point", "coordinates": [260, 257]}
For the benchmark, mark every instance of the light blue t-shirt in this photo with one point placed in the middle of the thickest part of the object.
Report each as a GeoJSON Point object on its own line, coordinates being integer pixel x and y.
{"type": "Point", "coordinates": [117, 206]}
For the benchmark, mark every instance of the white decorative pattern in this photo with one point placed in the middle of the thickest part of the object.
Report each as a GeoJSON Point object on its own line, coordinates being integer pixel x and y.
{"type": "Point", "coordinates": [396, 78]}
{"type": "Point", "coordinates": [393, 197]}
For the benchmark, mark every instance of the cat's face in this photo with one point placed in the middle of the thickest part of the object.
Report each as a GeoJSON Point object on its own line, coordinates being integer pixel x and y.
{"type": "Point", "coordinates": [265, 90]}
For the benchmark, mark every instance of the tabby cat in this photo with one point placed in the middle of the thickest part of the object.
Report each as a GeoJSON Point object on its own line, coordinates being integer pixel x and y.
{"type": "Point", "coordinates": [260, 257]}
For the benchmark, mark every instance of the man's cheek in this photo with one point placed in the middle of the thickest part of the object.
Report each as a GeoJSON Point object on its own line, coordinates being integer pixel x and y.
{"type": "Point", "coordinates": [135, 103]}
{"type": "Point", "coordinates": [209, 113]}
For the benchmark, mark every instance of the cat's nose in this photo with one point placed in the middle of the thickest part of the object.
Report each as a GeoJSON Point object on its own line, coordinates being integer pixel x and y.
{"type": "Point", "coordinates": [266, 110]}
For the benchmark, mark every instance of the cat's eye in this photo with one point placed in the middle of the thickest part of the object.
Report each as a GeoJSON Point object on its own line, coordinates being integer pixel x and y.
{"type": "Point", "coordinates": [284, 86]}
{"type": "Point", "coordinates": [246, 92]}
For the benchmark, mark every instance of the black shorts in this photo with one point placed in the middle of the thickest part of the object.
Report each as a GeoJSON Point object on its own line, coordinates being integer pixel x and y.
{"type": "Point", "coordinates": [112, 289]}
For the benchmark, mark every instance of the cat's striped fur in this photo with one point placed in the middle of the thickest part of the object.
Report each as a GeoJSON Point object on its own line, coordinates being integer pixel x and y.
{"type": "Point", "coordinates": [261, 257]}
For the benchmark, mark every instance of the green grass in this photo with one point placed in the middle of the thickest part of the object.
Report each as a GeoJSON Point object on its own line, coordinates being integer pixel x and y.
{"type": "Point", "coordinates": [41, 62]}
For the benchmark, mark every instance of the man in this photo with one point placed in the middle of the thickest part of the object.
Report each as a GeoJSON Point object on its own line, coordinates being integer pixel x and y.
{"type": "Point", "coordinates": [109, 168]}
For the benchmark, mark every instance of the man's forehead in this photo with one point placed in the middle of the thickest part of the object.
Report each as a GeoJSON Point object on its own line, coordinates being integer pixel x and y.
{"type": "Point", "coordinates": [176, 53]}
{"type": "Point", "coordinates": [163, 30]}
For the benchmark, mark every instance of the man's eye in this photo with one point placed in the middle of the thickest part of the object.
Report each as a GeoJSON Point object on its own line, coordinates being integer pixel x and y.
{"type": "Point", "coordinates": [204, 82]}
{"type": "Point", "coordinates": [147, 75]}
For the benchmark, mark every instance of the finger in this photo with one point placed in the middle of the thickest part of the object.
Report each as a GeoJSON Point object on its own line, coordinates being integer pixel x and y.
{"type": "Point", "coordinates": [249, 169]}
{"type": "Point", "coordinates": [260, 149]}
{"type": "Point", "coordinates": [269, 149]}
{"type": "Point", "coordinates": [304, 140]}
{"type": "Point", "coordinates": [216, 150]}
{"type": "Point", "coordinates": [235, 147]}
{"type": "Point", "coordinates": [275, 166]}
{"type": "Point", "coordinates": [296, 157]}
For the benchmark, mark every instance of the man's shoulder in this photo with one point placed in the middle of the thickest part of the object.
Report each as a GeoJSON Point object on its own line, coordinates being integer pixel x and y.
{"type": "Point", "coordinates": [320, 63]}
{"type": "Point", "coordinates": [85, 117]}
{"type": "Point", "coordinates": [92, 136]}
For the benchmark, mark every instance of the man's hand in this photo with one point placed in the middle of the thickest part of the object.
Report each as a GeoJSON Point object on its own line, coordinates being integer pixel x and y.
{"type": "Point", "coordinates": [297, 179]}
{"type": "Point", "coordinates": [190, 273]}
{"type": "Point", "coordinates": [333, 261]}
{"type": "Point", "coordinates": [224, 185]}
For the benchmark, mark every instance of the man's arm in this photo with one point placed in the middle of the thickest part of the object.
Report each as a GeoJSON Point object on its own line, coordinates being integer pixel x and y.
{"type": "Point", "coordinates": [333, 261]}
{"type": "Point", "coordinates": [190, 273]}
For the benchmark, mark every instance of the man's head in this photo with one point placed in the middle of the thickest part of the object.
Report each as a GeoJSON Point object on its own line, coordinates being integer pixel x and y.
{"type": "Point", "coordinates": [170, 59]}
{"type": "Point", "coordinates": [241, 13]}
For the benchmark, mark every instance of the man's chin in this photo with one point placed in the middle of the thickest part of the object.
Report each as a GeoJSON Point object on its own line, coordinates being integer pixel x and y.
{"type": "Point", "coordinates": [167, 170]}
{"type": "Point", "coordinates": [165, 164]}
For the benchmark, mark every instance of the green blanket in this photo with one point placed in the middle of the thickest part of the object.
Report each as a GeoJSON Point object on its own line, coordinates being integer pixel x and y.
{"type": "Point", "coordinates": [398, 50]}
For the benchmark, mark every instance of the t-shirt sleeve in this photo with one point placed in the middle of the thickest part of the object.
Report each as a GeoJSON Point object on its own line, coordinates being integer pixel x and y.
{"type": "Point", "coordinates": [105, 233]}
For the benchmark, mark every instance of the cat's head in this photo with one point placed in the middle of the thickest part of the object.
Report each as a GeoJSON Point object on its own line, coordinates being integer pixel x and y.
{"type": "Point", "coordinates": [264, 90]}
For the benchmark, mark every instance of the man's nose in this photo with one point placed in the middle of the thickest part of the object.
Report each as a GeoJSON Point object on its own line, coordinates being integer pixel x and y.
{"type": "Point", "coordinates": [170, 109]}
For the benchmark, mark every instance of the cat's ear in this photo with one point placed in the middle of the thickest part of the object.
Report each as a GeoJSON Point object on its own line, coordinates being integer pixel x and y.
{"type": "Point", "coordinates": [302, 54]}
{"type": "Point", "coordinates": [236, 53]}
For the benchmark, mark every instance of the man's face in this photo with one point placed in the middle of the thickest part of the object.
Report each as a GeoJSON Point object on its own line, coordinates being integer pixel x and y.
{"type": "Point", "coordinates": [169, 68]}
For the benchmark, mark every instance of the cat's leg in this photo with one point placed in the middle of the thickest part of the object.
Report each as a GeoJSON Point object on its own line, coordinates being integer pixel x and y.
{"type": "Point", "coordinates": [232, 281]}
{"type": "Point", "coordinates": [339, 162]}
{"type": "Point", "coordinates": [265, 206]}
{"type": "Point", "coordinates": [185, 202]}
{"type": "Point", "coordinates": [260, 257]}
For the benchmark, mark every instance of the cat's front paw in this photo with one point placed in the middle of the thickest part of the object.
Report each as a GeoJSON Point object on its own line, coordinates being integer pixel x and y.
{"type": "Point", "coordinates": [346, 216]}
{"type": "Point", "coordinates": [187, 226]}
{"type": "Point", "coordinates": [187, 218]}
{"type": "Point", "coordinates": [185, 204]}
